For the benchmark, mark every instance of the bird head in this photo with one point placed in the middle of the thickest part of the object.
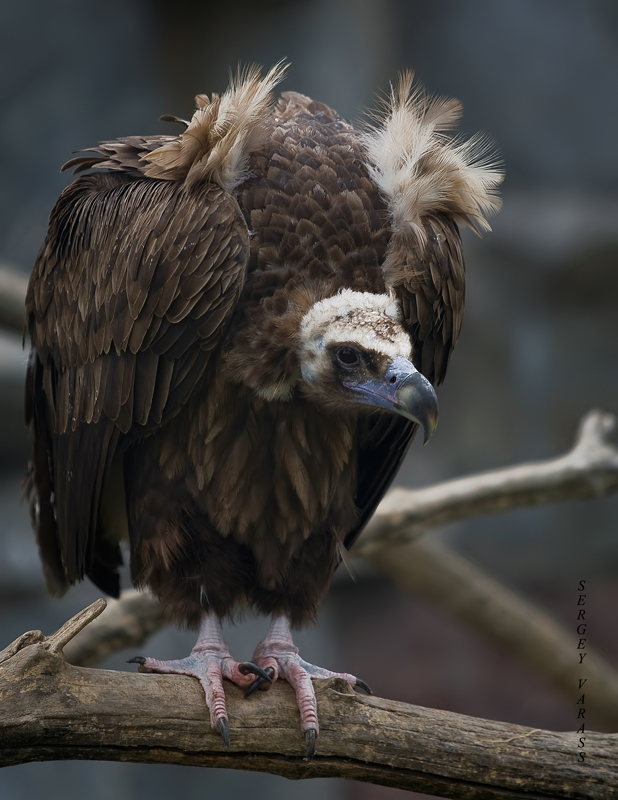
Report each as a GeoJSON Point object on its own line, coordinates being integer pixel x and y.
{"type": "Point", "coordinates": [354, 351]}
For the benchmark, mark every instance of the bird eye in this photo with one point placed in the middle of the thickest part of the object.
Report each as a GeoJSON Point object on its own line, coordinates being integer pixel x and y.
{"type": "Point", "coordinates": [348, 356]}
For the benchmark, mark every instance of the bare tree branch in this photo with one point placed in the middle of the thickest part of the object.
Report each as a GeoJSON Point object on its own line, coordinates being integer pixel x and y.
{"type": "Point", "coordinates": [432, 570]}
{"type": "Point", "coordinates": [589, 469]}
{"type": "Point", "coordinates": [127, 622]}
{"type": "Point", "coordinates": [13, 285]}
{"type": "Point", "coordinates": [52, 710]}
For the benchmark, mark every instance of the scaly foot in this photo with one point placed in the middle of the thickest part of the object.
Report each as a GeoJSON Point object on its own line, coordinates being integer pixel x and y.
{"type": "Point", "coordinates": [278, 656]}
{"type": "Point", "coordinates": [210, 661]}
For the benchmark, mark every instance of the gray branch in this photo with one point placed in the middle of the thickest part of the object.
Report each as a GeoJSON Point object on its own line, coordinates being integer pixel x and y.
{"type": "Point", "coordinates": [431, 570]}
{"type": "Point", "coordinates": [52, 710]}
{"type": "Point", "coordinates": [589, 469]}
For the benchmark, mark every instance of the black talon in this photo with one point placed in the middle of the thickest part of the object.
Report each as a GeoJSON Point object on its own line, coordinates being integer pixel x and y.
{"type": "Point", "coordinates": [267, 677]}
{"type": "Point", "coordinates": [137, 660]}
{"type": "Point", "coordinates": [255, 685]}
{"type": "Point", "coordinates": [310, 737]}
{"type": "Point", "coordinates": [224, 729]}
{"type": "Point", "coordinates": [362, 685]}
{"type": "Point", "coordinates": [249, 668]}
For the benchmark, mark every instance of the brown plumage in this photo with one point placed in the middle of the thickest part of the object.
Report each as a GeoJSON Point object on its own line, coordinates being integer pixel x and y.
{"type": "Point", "coordinates": [199, 380]}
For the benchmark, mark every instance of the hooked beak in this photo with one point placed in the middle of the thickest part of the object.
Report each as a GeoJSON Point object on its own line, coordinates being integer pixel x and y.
{"type": "Point", "coordinates": [402, 390]}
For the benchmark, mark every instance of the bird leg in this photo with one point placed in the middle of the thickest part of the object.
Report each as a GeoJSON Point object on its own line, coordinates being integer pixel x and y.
{"type": "Point", "coordinates": [278, 656]}
{"type": "Point", "coordinates": [210, 661]}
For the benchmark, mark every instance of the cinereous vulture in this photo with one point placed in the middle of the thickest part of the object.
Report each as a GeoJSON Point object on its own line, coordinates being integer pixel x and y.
{"type": "Point", "coordinates": [235, 332]}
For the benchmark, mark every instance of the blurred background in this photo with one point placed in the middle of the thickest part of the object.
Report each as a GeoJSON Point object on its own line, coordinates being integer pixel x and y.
{"type": "Point", "coordinates": [539, 345]}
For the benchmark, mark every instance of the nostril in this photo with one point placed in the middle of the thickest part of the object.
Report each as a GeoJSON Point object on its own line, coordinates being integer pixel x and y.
{"type": "Point", "coordinates": [393, 379]}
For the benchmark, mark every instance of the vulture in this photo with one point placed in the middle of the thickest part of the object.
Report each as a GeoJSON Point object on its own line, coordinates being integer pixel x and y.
{"type": "Point", "coordinates": [235, 333]}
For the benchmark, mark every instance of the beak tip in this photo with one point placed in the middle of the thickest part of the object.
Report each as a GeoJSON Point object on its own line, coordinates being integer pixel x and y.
{"type": "Point", "coordinates": [427, 435]}
{"type": "Point", "coordinates": [418, 402]}
{"type": "Point", "coordinates": [429, 428]}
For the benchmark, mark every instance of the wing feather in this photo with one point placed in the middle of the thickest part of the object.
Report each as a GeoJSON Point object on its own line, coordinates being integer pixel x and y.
{"type": "Point", "coordinates": [383, 442]}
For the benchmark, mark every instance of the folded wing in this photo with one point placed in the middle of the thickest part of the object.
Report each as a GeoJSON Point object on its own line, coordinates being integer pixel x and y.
{"type": "Point", "coordinates": [129, 296]}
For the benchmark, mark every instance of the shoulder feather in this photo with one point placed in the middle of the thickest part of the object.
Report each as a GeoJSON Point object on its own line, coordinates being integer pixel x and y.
{"type": "Point", "coordinates": [222, 133]}
{"type": "Point", "coordinates": [420, 169]}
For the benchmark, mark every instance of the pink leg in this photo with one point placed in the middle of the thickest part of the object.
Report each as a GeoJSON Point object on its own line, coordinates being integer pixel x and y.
{"type": "Point", "coordinates": [278, 656]}
{"type": "Point", "coordinates": [210, 661]}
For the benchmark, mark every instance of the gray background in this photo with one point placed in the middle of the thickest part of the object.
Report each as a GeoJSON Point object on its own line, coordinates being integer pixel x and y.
{"type": "Point", "coordinates": [539, 345]}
